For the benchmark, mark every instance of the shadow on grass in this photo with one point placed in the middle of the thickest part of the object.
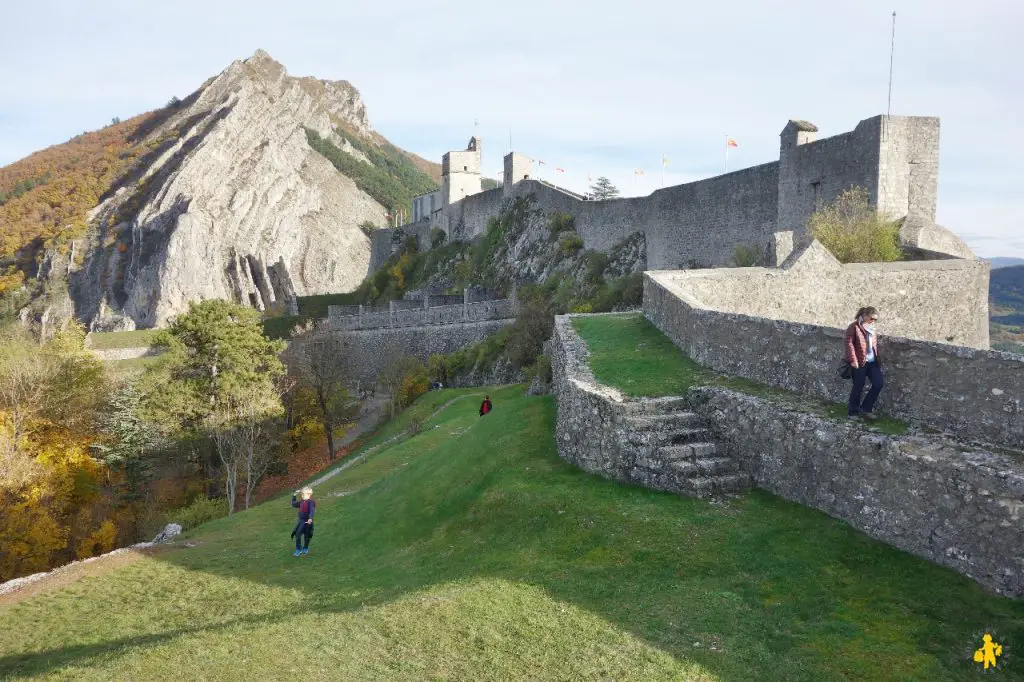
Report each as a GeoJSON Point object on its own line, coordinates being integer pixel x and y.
{"type": "Point", "coordinates": [784, 591]}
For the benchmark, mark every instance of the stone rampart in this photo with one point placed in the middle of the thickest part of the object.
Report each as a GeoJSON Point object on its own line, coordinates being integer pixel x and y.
{"type": "Point", "coordinates": [957, 506]}
{"type": "Point", "coordinates": [366, 351]}
{"type": "Point", "coordinates": [975, 394]}
{"type": "Point", "coordinates": [938, 300]}
{"type": "Point", "coordinates": [894, 158]}
{"type": "Point", "coordinates": [413, 314]}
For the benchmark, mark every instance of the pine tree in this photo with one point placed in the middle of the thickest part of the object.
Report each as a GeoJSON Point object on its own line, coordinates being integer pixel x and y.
{"type": "Point", "coordinates": [129, 441]}
{"type": "Point", "coordinates": [217, 377]}
{"type": "Point", "coordinates": [603, 189]}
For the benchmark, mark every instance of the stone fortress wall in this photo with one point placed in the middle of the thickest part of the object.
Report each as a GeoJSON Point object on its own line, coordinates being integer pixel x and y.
{"type": "Point", "coordinates": [934, 300]}
{"type": "Point", "coordinates": [727, 325]}
{"type": "Point", "coordinates": [418, 314]}
{"type": "Point", "coordinates": [895, 158]}
{"type": "Point", "coordinates": [955, 505]}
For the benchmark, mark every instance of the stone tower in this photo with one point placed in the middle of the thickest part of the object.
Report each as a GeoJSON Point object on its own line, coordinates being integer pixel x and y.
{"type": "Point", "coordinates": [798, 191]}
{"type": "Point", "coordinates": [518, 167]}
{"type": "Point", "coordinates": [460, 173]}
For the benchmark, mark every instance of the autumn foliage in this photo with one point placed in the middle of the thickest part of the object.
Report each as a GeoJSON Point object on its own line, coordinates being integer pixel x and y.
{"type": "Point", "coordinates": [56, 501]}
{"type": "Point", "coordinates": [45, 198]}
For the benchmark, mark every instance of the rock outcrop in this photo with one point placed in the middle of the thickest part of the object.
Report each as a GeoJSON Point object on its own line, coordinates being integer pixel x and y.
{"type": "Point", "coordinates": [230, 202]}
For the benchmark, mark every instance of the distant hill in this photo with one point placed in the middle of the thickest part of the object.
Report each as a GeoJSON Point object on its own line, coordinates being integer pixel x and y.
{"type": "Point", "coordinates": [1006, 292]}
{"type": "Point", "coordinates": [1004, 262]}
{"type": "Point", "coordinates": [1006, 288]}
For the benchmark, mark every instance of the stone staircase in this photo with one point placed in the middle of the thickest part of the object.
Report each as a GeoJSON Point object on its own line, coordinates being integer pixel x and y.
{"type": "Point", "coordinates": [675, 452]}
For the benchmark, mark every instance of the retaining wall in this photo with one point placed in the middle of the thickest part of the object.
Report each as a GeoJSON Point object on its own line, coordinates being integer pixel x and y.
{"type": "Point", "coordinates": [975, 394]}
{"type": "Point", "coordinates": [413, 314]}
{"type": "Point", "coordinates": [954, 505]}
{"type": "Point", "coordinates": [938, 300]}
{"type": "Point", "coordinates": [368, 350]}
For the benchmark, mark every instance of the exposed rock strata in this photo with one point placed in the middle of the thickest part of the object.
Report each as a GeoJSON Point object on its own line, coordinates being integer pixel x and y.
{"type": "Point", "coordinates": [231, 202]}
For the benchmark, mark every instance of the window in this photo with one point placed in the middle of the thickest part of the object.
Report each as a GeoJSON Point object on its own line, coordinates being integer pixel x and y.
{"type": "Point", "coordinates": [465, 168]}
{"type": "Point", "coordinates": [816, 191]}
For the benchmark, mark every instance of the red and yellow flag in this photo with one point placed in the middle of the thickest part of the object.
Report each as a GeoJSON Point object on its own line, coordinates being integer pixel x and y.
{"type": "Point", "coordinates": [731, 142]}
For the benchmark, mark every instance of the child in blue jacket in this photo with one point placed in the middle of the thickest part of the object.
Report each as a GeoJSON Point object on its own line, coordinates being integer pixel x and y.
{"type": "Point", "coordinates": [304, 528]}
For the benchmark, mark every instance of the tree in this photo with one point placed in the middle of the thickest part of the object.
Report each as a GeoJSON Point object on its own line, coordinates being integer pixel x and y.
{"type": "Point", "coordinates": [603, 189]}
{"type": "Point", "coordinates": [854, 232]}
{"type": "Point", "coordinates": [321, 366]}
{"type": "Point", "coordinates": [534, 325]}
{"type": "Point", "coordinates": [217, 374]}
{"type": "Point", "coordinates": [404, 377]}
{"type": "Point", "coordinates": [129, 441]}
{"type": "Point", "coordinates": [53, 499]}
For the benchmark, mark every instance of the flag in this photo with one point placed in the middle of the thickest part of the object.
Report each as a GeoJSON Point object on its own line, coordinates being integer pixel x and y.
{"type": "Point", "coordinates": [559, 170]}
{"type": "Point", "coordinates": [664, 160]}
{"type": "Point", "coordinates": [731, 142]}
{"type": "Point", "coordinates": [638, 171]}
{"type": "Point", "coordinates": [541, 162]}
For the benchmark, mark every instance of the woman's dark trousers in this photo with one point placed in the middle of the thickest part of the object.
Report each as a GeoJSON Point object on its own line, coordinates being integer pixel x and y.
{"type": "Point", "coordinates": [870, 372]}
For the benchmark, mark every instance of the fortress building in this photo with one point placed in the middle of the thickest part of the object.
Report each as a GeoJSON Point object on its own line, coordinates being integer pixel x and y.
{"type": "Point", "coordinates": [894, 158]}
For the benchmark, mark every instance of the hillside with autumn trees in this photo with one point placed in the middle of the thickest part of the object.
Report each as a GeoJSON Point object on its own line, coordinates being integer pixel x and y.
{"type": "Point", "coordinates": [45, 198]}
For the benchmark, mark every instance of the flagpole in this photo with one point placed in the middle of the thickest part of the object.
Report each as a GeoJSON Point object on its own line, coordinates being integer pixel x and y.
{"type": "Point", "coordinates": [892, 50]}
{"type": "Point", "coordinates": [663, 170]}
{"type": "Point", "coordinates": [727, 152]}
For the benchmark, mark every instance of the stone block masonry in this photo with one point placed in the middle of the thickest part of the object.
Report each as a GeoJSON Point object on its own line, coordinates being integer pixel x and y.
{"type": "Point", "coordinates": [957, 506]}
{"type": "Point", "coordinates": [974, 394]}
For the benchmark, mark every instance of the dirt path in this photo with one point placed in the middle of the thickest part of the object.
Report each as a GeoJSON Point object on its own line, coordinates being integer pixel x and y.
{"type": "Point", "coordinates": [351, 461]}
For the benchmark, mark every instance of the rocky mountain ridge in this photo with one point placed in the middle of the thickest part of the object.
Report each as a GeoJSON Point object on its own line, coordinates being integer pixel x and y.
{"type": "Point", "coordinates": [226, 199]}
{"type": "Point", "coordinates": [237, 205]}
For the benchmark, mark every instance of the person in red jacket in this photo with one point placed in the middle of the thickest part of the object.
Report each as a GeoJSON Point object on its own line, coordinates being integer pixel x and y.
{"type": "Point", "coordinates": [861, 341]}
{"type": "Point", "coordinates": [485, 406]}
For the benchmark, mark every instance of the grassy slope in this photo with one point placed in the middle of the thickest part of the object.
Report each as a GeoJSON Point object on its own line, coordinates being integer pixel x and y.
{"type": "Point", "coordinates": [132, 339]}
{"type": "Point", "coordinates": [472, 552]}
{"type": "Point", "coordinates": [631, 354]}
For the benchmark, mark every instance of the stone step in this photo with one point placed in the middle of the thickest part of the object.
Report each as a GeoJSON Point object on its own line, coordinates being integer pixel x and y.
{"type": "Point", "coordinates": [676, 436]}
{"type": "Point", "coordinates": [687, 451]}
{"type": "Point", "coordinates": [646, 406]}
{"type": "Point", "coordinates": [705, 486]}
{"type": "Point", "coordinates": [704, 466]}
{"type": "Point", "coordinates": [664, 421]}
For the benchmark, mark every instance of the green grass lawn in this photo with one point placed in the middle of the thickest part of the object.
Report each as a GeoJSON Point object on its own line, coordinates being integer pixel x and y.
{"type": "Point", "coordinates": [132, 339]}
{"type": "Point", "coordinates": [471, 552]}
{"type": "Point", "coordinates": [631, 354]}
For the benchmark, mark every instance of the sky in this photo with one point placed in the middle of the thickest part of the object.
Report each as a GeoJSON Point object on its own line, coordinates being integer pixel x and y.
{"type": "Point", "coordinates": [596, 88]}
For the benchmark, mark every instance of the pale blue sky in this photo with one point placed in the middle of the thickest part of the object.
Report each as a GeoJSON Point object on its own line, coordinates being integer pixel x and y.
{"type": "Point", "coordinates": [594, 87]}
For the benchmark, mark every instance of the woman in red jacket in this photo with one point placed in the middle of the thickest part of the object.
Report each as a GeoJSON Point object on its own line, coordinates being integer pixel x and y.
{"type": "Point", "coordinates": [862, 354]}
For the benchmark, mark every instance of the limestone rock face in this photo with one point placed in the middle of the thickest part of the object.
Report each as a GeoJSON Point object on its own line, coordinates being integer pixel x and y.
{"type": "Point", "coordinates": [231, 202]}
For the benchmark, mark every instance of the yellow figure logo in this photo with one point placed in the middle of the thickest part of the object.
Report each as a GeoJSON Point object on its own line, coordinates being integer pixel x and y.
{"type": "Point", "coordinates": [988, 652]}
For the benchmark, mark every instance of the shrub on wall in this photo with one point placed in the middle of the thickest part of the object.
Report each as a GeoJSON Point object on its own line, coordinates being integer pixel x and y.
{"type": "Point", "coordinates": [437, 237]}
{"type": "Point", "coordinates": [569, 243]}
{"type": "Point", "coordinates": [560, 222]}
{"type": "Point", "coordinates": [854, 232]}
